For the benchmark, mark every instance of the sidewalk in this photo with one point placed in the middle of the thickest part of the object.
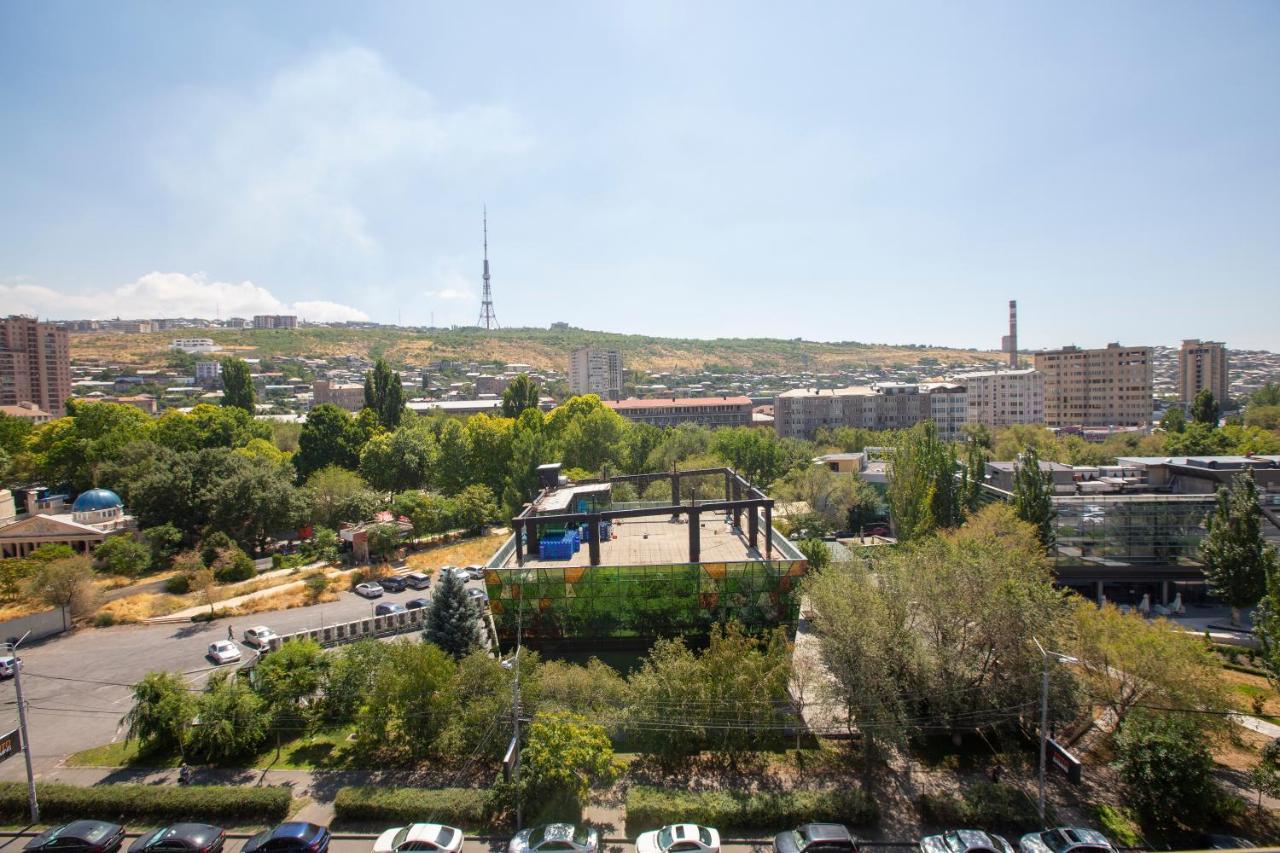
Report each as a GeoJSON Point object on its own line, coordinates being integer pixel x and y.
{"type": "Point", "coordinates": [228, 603]}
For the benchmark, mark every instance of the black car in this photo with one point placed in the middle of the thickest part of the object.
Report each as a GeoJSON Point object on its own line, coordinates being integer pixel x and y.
{"type": "Point", "coordinates": [181, 838]}
{"type": "Point", "coordinates": [388, 608]}
{"type": "Point", "coordinates": [393, 583]}
{"type": "Point", "coordinates": [417, 603]}
{"type": "Point", "coordinates": [816, 838]}
{"type": "Point", "coordinates": [80, 836]}
{"type": "Point", "coordinates": [292, 837]}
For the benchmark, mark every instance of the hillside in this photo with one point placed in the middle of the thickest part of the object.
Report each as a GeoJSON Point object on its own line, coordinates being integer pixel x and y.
{"type": "Point", "coordinates": [540, 348]}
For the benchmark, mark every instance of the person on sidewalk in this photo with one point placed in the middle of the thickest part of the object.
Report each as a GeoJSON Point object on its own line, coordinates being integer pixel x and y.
{"type": "Point", "coordinates": [231, 634]}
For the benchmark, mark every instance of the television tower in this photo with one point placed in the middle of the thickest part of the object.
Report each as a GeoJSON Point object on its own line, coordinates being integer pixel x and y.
{"type": "Point", "coordinates": [488, 319]}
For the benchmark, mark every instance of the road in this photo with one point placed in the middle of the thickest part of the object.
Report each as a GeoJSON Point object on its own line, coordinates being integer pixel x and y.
{"type": "Point", "coordinates": [78, 685]}
{"type": "Point", "coordinates": [365, 845]}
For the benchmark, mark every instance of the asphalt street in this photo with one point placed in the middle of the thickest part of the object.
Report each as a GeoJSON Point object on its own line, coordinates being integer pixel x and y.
{"type": "Point", "coordinates": [365, 845]}
{"type": "Point", "coordinates": [77, 685]}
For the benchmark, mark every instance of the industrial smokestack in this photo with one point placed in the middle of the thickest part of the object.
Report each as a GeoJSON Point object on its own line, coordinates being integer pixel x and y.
{"type": "Point", "coordinates": [1009, 343]}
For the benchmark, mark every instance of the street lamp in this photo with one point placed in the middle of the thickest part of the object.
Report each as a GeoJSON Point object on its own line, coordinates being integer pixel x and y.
{"type": "Point", "coordinates": [12, 649]}
{"type": "Point", "coordinates": [1044, 714]}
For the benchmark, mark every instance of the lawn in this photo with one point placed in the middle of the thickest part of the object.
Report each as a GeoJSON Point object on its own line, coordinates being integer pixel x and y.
{"type": "Point", "coordinates": [328, 749]}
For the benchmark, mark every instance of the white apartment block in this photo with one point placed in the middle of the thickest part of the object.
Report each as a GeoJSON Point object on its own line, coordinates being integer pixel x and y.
{"type": "Point", "coordinates": [593, 370]}
{"type": "Point", "coordinates": [999, 398]}
{"type": "Point", "coordinates": [799, 413]}
{"type": "Point", "coordinates": [194, 345]}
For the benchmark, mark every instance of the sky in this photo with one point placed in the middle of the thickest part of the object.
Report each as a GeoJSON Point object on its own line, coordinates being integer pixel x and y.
{"type": "Point", "coordinates": [887, 172]}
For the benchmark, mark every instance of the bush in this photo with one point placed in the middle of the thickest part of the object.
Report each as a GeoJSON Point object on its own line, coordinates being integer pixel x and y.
{"type": "Point", "coordinates": [462, 807]}
{"type": "Point", "coordinates": [178, 585]}
{"type": "Point", "coordinates": [148, 803]}
{"type": "Point", "coordinates": [650, 808]}
{"type": "Point", "coordinates": [233, 565]}
{"type": "Point", "coordinates": [986, 805]}
{"type": "Point", "coordinates": [104, 620]}
{"type": "Point", "coordinates": [1165, 762]}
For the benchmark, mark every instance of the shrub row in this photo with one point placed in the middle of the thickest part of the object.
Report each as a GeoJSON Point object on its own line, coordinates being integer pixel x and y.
{"type": "Point", "coordinates": [148, 803]}
{"type": "Point", "coordinates": [650, 808]}
{"type": "Point", "coordinates": [462, 807]}
{"type": "Point", "coordinates": [986, 805]}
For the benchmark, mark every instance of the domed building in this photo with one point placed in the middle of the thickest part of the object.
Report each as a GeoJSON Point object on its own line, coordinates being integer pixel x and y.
{"type": "Point", "coordinates": [95, 514]}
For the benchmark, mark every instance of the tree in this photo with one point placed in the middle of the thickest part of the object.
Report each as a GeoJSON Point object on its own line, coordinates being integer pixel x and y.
{"type": "Point", "coordinates": [337, 495]}
{"type": "Point", "coordinates": [833, 497]}
{"type": "Point", "coordinates": [15, 432]}
{"type": "Point", "coordinates": [66, 584]}
{"type": "Point", "coordinates": [78, 448]}
{"type": "Point", "coordinates": [394, 462]}
{"type": "Point", "coordinates": [451, 621]}
{"type": "Point", "coordinates": [408, 702]}
{"type": "Point", "coordinates": [1263, 417]}
{"type": "Point", "coordinates": [249, 502]}
{"type": "Point", "coordinates": [232, 722]}
{"type": "Point", "coordinates": [384, 394]}
{"type": "Point", "coordinates": [164, 541]}
{"type": "Point", "coordinates": [383, 539]}
{"type": "Point", "coordinates": [349, 679]}
{"type": "Point", "coordinates": [1267, 395]}
{"type": "Point", "coordinates": [1032, 497]}
{"type": "Point", "coordinates": [975, 467]}
{"type": "Point", "coordinates": [1204, 408]}
{"type": "Point", "coordinates": [923, 491]}
{"type": "Point", "coordinates": [638, 444]}
{"type": "Point", "coordinates": [237, 385]}
{"type": "Point", "coordinates": [1265, 776]}
{"type": "Point", "coordinates": [563, 756]}
{"type": "Point", "coordinates": [593, 438]}
{"type": "Point", "coordinates": [123, 555]}
{"type": "Point", "coordinates": [329, 437]}
{"type": "Point", "coordinates": [816, 552]}
{"type": "Point", "coordinates": [161, 713]}
{"type": "Point", "coordinates": [209, 426]}
{"type": "Point", "coordinates": [204, 583]}
{"type": "Point", "coordinates": [520, 394]}
{"type": "Point", "coordinates": [1174, 420]}
{"type": "Point", "coordinates": [1235, 554]}
{"type": "Point", "coordinates": [287, 679]}
{"type": "Point", "coordinates": [1166, 765]}
{"type": "Point", "coordinates": [232, 565]}
{"type": "Point", "coordinates": [474, 507]}
{"type": "Point", "coordinates": [530, 447]}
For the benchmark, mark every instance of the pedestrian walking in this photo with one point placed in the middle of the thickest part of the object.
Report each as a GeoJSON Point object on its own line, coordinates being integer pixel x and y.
{"type": "Point", "coordinates": [231, 634]}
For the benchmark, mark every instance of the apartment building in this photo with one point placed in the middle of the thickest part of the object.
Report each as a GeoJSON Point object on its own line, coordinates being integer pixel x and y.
{"type": "Point", "coordinates": [349, 396]}
{"type": "Point", "coordinates": [194, 345]}
{"type": "Point", "coordinates": [35, 363]}
{"type": "Point", "coordinates": [594, 370]}
{"type": "Point", "coordinates": [673, 411]}
{"type": "Point", "coordinates": [1110, 386]}
{"type": "Point", "coordinates": [1202, 364]}
{"type": "Point", "coordinates": [999, 398]}
{"type": "Point", "coordinates": [800, 412]}
{"type": "Point", "coordinates": [275, 321]}
{"type": "Point", "coordinates": [209, 373]}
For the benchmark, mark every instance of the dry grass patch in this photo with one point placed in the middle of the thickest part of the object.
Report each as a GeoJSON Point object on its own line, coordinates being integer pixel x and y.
{"type": "Point", "coordinates": [466, 552]}
{"type": "Point", "coordinates": [283, 600]}
{"type": "Point", "coordinates": [143, 606]}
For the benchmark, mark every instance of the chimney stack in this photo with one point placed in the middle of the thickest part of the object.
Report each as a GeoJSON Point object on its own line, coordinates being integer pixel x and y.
{"type": "Point", "coordinates": [1010, 342]}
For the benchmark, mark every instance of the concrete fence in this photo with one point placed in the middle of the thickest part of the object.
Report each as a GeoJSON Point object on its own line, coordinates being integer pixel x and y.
{"type": "Point", "coordinates": [41, 625]}
{"type": "Point", "coordinates": [372, 626]}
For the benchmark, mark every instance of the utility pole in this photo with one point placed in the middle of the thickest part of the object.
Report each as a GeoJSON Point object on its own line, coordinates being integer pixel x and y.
{"type": "Point", "coordinates": [1044, 715]}
{"type": "Point", "coordinates": [22, 726]}
{"type": "Point", "coordinates": [515, 715]}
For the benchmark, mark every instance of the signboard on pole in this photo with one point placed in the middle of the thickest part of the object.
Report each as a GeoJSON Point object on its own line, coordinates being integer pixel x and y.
{"type": "Point", "coordinates": [10, 744]}
{"type": "Point", "coordinates": [1062, 759]}
{"type": "Point", "coordinates": [509, 760]}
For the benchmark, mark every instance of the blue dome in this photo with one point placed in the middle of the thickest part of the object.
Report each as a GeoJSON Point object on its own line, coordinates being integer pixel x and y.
{"type": "Point", "coordinates": [96, 499]}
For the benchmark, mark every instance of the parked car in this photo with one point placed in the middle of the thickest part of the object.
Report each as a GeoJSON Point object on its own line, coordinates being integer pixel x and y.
{"type": "Point", "coordinates": [965, 841]}
{"type": "Point", "coordinates": [393, 583]}
{"type": "Point", "coordinates": [679, 838]}
{"type": "Point", "coordinates": [479, 596]}
{"type": "Point", "coordinates": [1065, 839]}
{"type": "Point", "coordinates": [1213, 841]}
{"type": "Point", "coordinates": [476, 573]}
{"type": "Point", "coordinates": [259, 637]}
{"type": "Point", "coordinates": [292, 837]}
{"type": "Point", "coordinates": [419, 836]}
{"type": "Point", "coordinates": [816, 838]}
{"type": "Point", "coordinates": [564, 837]}
{"type": "Point", "coordinates": [387, 608]}
{"type": "Point", "coordinates": [181, 838]}
{"type": "Point", "coordinates": [80, 836]}
{"type": "Point", "coordinates": [417, 603]}
{"type": "Point", "coordinates": [459, 573]}
{"type": "Point", "coordinates": [223, 651]}
{"type": "Point", "coordinates": [9, 666]}
{"type": "Point", "coordinates": [369, 589]}
{"type": "Point", "coordinates": [417, 580]}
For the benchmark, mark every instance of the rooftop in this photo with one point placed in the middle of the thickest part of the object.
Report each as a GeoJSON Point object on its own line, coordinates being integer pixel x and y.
{"type": "Point", "coordinates": [638, 403]}
{"type": "Point", "coordinates": [658, 541]}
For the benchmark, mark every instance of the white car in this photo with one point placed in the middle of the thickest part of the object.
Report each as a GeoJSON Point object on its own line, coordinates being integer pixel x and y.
{"type": "Point", "coordinates": [9, 666]}
{"type": "Point", "coordinates": [679, 838]}
{"type": "Point", "coordinates": [369, 589]}
{"type": "Point", "coordinates": [259, 637]}
{"type": "Point", "coordinates": [1065, 839]}
{"type": "Point", "coordinates": [555, 838]}
{"type": "Point", "coordinates": [476, 573]}
{"type": "Point", "coordinates": [224, 651]}
{"type": "Point", "coordinates": [965, 841]}
{"type": "Point", "coordinates": [419, 836]}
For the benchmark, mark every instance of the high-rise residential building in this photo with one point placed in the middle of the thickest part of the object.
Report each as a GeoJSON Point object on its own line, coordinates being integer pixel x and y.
{"type": "Point", "coordinates": [800, 412]}
{"type": "Point", "coordinates": [275, 321]}
{"type": "Point", "coordinates": [35, 363]}
{"type": "Point", "coordinates": [1202, 364]}
{"type": "Point", "coordinates": [1110, 386]}
{"type": "Point", "coordinates": [999, 398]}
{"type": "Point", "coordinates": [208, 373]}
{"type": "Point", "coordinates": [595, 370]}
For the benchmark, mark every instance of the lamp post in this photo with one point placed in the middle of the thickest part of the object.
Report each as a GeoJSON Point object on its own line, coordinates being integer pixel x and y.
{"type": "Point", "coordinates": [1044, 715]}
{"type": "Point", "coordinates": [12, 649]}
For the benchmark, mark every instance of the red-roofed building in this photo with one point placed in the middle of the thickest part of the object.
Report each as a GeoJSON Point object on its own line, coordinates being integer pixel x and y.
{"type": "Point", "coordinates": [673, 411]}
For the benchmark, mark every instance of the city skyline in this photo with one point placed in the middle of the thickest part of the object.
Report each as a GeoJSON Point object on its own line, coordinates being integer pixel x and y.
{"type": "Point", "coordinates": [710, 172]}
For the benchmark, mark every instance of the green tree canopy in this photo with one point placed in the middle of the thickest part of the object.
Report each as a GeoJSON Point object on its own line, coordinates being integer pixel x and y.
{"type": "Point", "coordinates": [521, 394]}
{"type": "Point", "coordinates": [404, 459]}
{"type": "Point", "coordinates": [337, 495]}
{"type": "Point", "coordinates": [451, 620]}
{"type": "Point", "coordinates": [384, 394]}
{"type": "Point", "coordinates": [923, 489]}
{"type": "Point", "coordinates": [1166, 766]}
{"type": "Point", "coordinates": [237, 385]}
{"type": "Point", "coordinates": [161, 713]}
{"type": "Point", "coordinates": [1236, 556]}
{"type": "Point", "coordinates": [563, 757]}
{"type": "Point", "coordinates": [1033, 496]}
{"type": "Point", "coordinates": [1205, 409]}
{"type": "Point", "coordinates": [329, 437]}
{"type": "Point", "coordinates": [123, 555]}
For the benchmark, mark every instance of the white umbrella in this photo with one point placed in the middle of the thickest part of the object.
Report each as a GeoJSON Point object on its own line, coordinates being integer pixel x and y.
{"type": "Point", "coordinates": [1177, 606]}
{"type": "Point", "coordinates": [1144, 606]}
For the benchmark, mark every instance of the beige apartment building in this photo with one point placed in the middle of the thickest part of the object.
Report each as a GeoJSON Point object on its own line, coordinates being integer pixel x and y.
{"type": "Point", "coordinates": [1110, 386]}
{"type": "Point", "coordinates": [800, 412]}
{"type": "Point", "coordinates": [35, 363]}
{"type": "Point", "coordinates": [349, 396]}
{"type": "Point", "coordinates": [1000, 398]}
{"type": "Point", "coordinates": [594, 370]}
{"type": "Point", "coordinates": [1202, 364]}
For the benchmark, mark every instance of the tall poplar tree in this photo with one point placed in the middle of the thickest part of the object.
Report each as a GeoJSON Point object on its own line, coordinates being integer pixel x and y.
{"type": "Point", "coordinates": [1032, 498]}
{"type": "Point", "coordinates": [1236, 557]}
{"type": "Point", "coordinates": [237, 385]}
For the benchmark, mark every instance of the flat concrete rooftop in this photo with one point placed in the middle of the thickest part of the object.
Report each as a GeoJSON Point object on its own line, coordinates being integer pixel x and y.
{"type": "Point", "coordinates": [658, 541]}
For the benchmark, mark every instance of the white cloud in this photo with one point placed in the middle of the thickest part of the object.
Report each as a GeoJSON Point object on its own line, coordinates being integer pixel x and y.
{"type": "Point", "coordinates": [166, 294]}
{"type": "Point", "coordinates": [307, 159]}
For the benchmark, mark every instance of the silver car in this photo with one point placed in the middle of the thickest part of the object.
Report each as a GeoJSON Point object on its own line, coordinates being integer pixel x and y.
{"type": "Point", "coordinates": [965, 841]}
{"type": "Point", "coordinates": [555, 838]}
{"type": "Point", "coordinates": [1065, 839]}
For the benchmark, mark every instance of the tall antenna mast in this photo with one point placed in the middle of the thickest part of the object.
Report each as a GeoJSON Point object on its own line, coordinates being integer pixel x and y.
{"type": "Point", "coordinates": [488, 319]}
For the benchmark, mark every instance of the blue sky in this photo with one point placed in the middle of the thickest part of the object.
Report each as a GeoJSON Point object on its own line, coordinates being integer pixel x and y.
{"type": "Point", "coordinates": [888, 172]}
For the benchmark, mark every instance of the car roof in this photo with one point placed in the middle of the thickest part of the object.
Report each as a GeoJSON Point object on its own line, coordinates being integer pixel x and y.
{"type": "Point", "coordinates": [826, 832]}
{"type": "Point", "coordinates": [424, 831]}
{"type": "Point", "coordinates": [1083, 835]}
{"type": "Point", "coordinates": [82, 828]}
{"type": "Point", "coordinates": [295, 829]}
{"type": "Point", "coordinates": [258, 629]}
{"type": "Point", "coordinates": [197, 832]}
{"type": "Point", "coordinates": [971, 838]}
